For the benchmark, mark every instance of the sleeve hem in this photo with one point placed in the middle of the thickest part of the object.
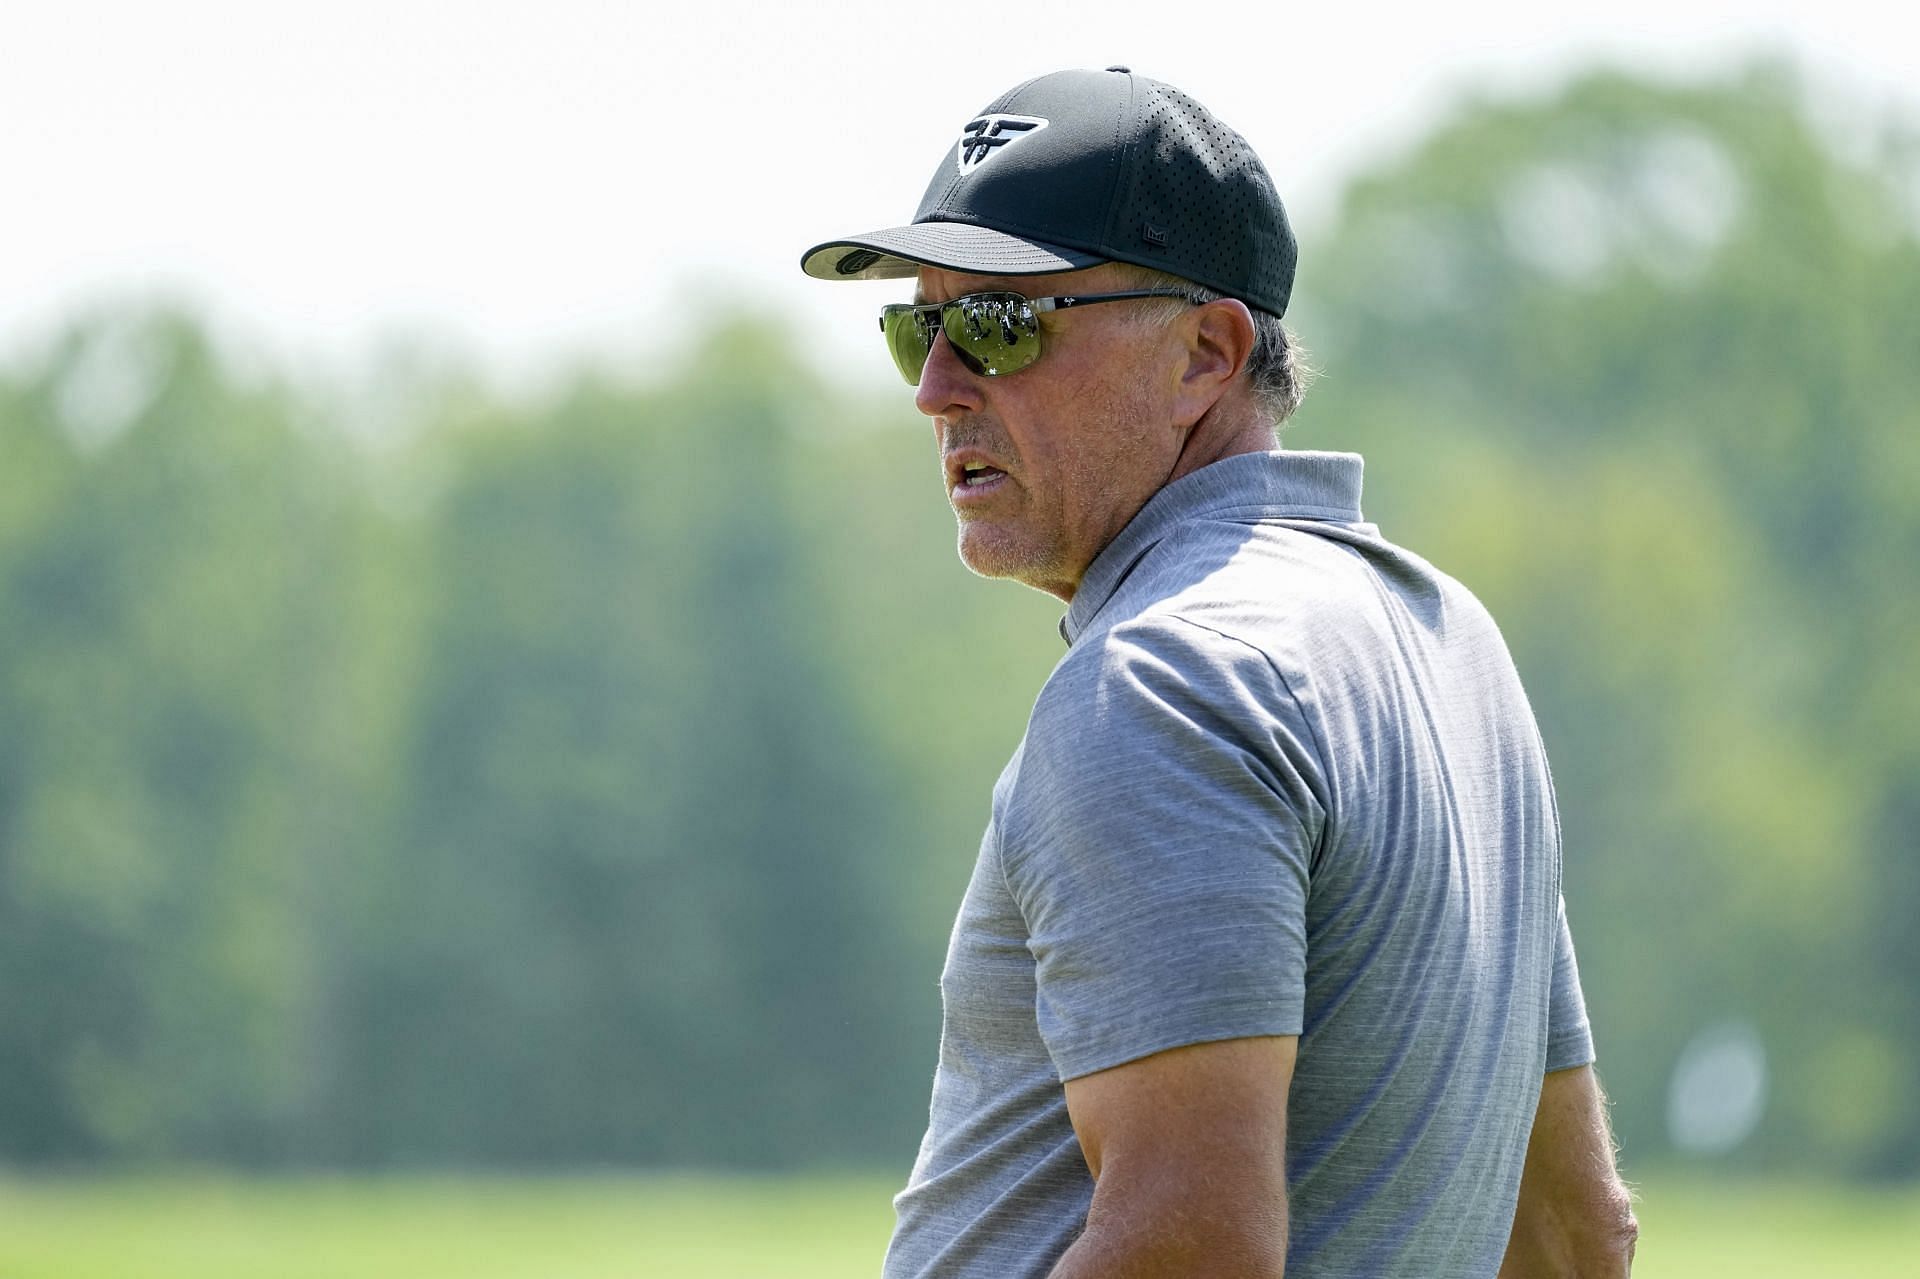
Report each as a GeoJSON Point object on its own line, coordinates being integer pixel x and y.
{"type": "Point", "coordinates": [1564, 1052]}
{"type": "Point", "coordinates": [1105, 1056]}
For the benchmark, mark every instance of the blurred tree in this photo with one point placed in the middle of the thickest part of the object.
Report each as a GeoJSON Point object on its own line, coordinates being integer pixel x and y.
{"type": "Point", "coordinates": [633, 914]}
{"type": "Point", "coordinates": [167, 568]}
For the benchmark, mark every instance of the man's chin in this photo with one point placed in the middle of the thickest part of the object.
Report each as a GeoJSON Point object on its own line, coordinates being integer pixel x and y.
{"type": "Point", "coordinates": [992, 553]}
{"type": "Point", "coordinates": [985, 555]}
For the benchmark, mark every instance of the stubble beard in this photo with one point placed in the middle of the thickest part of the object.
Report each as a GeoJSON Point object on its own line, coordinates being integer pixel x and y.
{"type": "Point", "coordinates": [1047, 542]}
{"type": "Point", "coordinates": [1034, 544]}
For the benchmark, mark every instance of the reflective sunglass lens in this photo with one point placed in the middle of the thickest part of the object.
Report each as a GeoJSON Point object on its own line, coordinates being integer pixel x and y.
{"type": "Point", "coordinates": [990, 333]}
{"type": "Point", "coordinates": [997, 333]}
{"type": "Point", "coordinates": [908, 340]}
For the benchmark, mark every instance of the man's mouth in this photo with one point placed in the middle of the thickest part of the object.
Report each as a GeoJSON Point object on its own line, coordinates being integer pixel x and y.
{"type": "Point", "coordinates": [975, 474]}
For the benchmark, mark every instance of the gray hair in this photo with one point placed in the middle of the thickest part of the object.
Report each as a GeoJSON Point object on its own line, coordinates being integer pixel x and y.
{"type": "Point", "coordinates": [1277, 368]}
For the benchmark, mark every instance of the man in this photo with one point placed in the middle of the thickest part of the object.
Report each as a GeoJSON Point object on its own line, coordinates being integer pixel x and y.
{"type": "Point", "coordinates": [1263, 965]}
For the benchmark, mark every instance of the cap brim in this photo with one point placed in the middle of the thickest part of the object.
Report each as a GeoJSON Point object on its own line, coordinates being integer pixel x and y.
{"type": "Point", "coordinates": [953, 246]}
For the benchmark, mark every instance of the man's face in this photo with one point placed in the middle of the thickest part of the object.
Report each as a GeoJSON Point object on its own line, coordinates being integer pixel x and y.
{"type": "Point", "coordinates": [1074, 444]}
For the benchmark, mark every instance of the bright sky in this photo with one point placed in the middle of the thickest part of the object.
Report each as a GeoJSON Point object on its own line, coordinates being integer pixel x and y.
{"type": "Point", "coordinates": [523, 181]}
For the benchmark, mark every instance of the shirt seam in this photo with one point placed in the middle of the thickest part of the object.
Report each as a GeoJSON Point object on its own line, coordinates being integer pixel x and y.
{"type": "Point", "coordinates": [1313, 729]}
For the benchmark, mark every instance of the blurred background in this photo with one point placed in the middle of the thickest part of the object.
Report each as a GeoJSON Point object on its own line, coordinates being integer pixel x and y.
{"type": "Point", "coordinates": [492, 728]}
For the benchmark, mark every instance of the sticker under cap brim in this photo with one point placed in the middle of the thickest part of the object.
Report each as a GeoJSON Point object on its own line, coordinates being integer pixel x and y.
{"type": "Point", "coordinates": [954, 246]}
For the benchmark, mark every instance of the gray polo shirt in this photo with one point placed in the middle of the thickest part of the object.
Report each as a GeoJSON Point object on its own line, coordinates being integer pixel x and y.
{"type": "Point", "coordinates": [1284, 782]}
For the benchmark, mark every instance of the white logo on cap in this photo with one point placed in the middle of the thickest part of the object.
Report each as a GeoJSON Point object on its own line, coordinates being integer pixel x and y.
{"type": "Point", "coordinates": [989, 134]}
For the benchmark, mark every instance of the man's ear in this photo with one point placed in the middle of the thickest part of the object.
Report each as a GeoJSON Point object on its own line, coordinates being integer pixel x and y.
{"type": "Point", "coordinates": [1220, 339]}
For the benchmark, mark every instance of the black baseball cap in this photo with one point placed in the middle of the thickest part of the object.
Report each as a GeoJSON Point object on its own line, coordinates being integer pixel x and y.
{"type": "Point", "coordinates": [1083, 167]}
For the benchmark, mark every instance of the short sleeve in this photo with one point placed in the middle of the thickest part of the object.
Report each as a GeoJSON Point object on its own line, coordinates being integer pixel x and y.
{"type": "Point", "coordinates": [1569, 1036]}
{"type": "Point", "coordinates": [1159, 845]}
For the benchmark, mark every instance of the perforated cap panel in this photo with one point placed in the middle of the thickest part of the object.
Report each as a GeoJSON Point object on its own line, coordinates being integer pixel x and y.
{"type": "Point", "coordinates": [1201, 204]}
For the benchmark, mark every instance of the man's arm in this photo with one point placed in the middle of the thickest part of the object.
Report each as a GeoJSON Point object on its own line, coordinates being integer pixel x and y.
{"type": "Point", "coordinates": [1575, 1216]}
{"type": "Point", "coordinates": [1188, 1153]}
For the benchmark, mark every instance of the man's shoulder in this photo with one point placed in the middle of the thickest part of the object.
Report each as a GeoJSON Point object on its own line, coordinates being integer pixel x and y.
{"type": "Point", "coordinates": [1160, 688]}
{"type": "Point", "coordinates": [1170, 644]}
{"type": "Point", "coordinates": [1214, 587]}
{"type": "Point", "coordinates": [1264, 627]}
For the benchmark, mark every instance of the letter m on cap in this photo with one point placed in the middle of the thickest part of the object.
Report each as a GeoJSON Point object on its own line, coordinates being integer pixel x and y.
{"type": "Point", "coordinates": [988, 134]}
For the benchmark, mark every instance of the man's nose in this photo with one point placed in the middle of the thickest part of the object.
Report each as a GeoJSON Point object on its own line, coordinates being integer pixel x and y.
{"type": "Point", "coordinates": [946, 384]}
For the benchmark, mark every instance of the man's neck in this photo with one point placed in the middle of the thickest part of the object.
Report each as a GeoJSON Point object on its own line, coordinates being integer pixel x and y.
{"type": "Point", "coordinates": [1223, 433]}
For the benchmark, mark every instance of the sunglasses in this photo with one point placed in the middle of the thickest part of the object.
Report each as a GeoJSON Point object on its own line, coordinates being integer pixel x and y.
{"type": "Point", "coordinates": [992, 334]}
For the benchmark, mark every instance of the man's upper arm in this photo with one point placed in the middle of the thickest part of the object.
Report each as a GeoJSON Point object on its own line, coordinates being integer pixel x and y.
{"type": "Point", "coordinates": [1188, 1153]}
{"type": "Point", "coordinates": [1575, 1216]}
{"type": "Point", "coordinates": [1161, 864]}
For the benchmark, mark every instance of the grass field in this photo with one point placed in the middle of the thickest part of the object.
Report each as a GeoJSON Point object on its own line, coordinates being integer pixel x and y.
{"type": "Point", "coordinates": [685, 1228]}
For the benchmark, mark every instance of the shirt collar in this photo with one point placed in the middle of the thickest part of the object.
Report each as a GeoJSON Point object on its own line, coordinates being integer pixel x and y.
{"type": "Point", "coordinates": [1284, 484]}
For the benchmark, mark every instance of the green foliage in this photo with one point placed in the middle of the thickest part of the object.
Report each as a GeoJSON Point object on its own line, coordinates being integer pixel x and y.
{"type": "Point", "coordinates": [643, 814]}
{"type": "Point", "coordinates": [166, 606]}
{"type": "Point", "coordinates": [593, 780]}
